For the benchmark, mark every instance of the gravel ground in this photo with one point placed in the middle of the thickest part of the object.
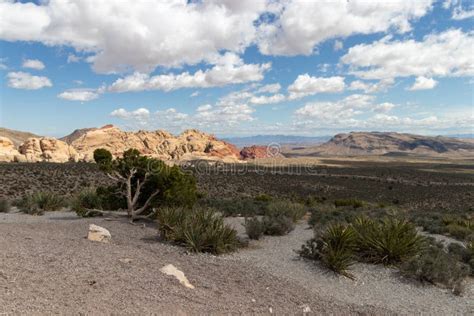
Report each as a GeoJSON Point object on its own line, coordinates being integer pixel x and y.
{"type": "Point", "coordinates": [374, 285]}
{"type": "Point", "coordinates": [47, 266]}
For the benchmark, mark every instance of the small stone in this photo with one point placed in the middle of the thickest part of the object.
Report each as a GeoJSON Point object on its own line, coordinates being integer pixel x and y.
{"type": "Point", "coordinates": [97, 233]}
{"type": "Point", "coordinates": [306, 309]}
{"type": "Point", "coordinates": [253, 300]}
{"type": "Point", "coordinates": [172, 270]}
{"type": "Point", "coordinates": [126, 260]}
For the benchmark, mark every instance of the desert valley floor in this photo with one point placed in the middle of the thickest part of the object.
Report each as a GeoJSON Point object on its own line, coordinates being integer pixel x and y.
{"type": "Point", "coordinates": [48, 266]}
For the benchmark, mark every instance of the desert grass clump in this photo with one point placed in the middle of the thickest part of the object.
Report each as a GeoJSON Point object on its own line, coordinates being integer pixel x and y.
{"type": "Point", "coordinates": [389, 241]}
{"type": "Point", "coordinates": [254, 228]}
{"type": "Point", "coordinates": [38, 203]}
{"type": "Point", "coordinates": [334, 248]}
{"type": "Point", "coordinates": [349, 202]}
{"type": "Point", "coordinates": [198, 229]}
{"type": "Point", "coordinates": [436, 266]}
{"type": "Point", "coordinates": [293, 210]}
{"type": "Point", "coordinates": [86, 203]}
{"type": "Point", "coordinates": [463, 253]}
{"type": "Point", "coordinates": [4, 206]}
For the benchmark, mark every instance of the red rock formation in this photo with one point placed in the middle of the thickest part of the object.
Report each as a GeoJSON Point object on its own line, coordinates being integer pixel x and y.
{"type": "Point", "coordinates": [258, 152]}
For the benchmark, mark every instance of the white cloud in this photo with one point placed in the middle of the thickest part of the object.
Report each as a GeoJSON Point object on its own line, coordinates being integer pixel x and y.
{"type": "Point", "coordinates": [338, 45]}
{"type": "Point", "coordinates": [24, 80]}
{"type": "Point", "coordinates": [230, 70]}
{"type": "Point", "coordinates": [139, 115]}
{"type": "Point", "coordinates": [301, 25]}
{"type": "Point", "coordinates": [384, 107]}
{"type": "Point", "coordinates": [264, 99]}
{"type": "Point", "coordinates": [82, 95]}
{"type": "Point", "coordinates": [33, 64]}
{"type": "Point", "coordinates": [269, 88]}
{"type": "Point", "coordinates": [136, 34]}
{"type": "Point", "coordinates": [194, 94]}
{"type": "Point", "coordinates": [438, 55]}
{"type": "Point", "coordinates": [460, 11]}
{"type": "Point", "coordinates": [423, 83]}
{"type": "Point", "coordinates": [369, 87]}
{"type": "Point", "coordinates": [305, 85]}
{"type": "Point", "coordinates": [340, 113]}
{"type": "Point", "coordinates": [71, 58]}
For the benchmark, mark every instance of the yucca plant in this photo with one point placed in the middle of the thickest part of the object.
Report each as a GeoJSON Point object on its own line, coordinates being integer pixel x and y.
{"type": "Point", "coordinates": [169, 219]}
{"type": "Point", "coordinates": [85, 202]}
{"type": "Point", "coordinates": [38, 203]}
{"type": "Point", "coordinates": [334, 248]}
{"type": "Point", "coordinates": [199, 230]}
{"type": "Point", "coordinates": [389, 241]}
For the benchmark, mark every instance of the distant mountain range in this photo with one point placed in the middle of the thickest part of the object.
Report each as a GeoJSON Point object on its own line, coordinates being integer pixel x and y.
{"type": "Point", "coordinates": [377, 143]}
{"type": "Point", "coordinates": [264, 140]}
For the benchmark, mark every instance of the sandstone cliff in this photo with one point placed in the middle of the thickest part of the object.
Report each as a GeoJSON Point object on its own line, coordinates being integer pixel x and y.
{"type": "Point", "coordinates": [8, 152]}
{"type": "Point", "coordinates": [191, 144]}
{"type": "Point", "coordinates": [47, 149]}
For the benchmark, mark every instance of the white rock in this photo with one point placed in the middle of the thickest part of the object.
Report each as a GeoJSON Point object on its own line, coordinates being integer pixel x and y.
{"type": "Point", "coordinates": [306, 309]}
{"type": "Point", "coordinates": [97, 233]}
{"type": "Point", "coordinates": [172, 270]}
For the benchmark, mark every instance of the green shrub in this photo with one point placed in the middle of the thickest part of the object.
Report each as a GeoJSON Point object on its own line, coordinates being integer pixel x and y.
{"type": "Point", "coordinates": [349, 202]}
{"type": "Point", "coordinates": [263, 198]}
{"type": "Point", "coordinates": [459, 231]}
{"type": "Point", "coordinates": [294, 211]}
{"type": "Point", "coordinates": [199, 230]}
{"type": "Point", "coordinates": [324, 214]}
{"type": "Point", "coordinates": [464, 254]}
{"type": "Point", "coordinates": [111, 198]}
{"type": "Point", "coordinates": [436, 266]}
{"type": "Point", "coordinates": [38, 203]}
{"type": "Point", "coordinates": [4, 206]}
{"type": "Point", "coordinates": [389, 241]}
{"type": "Point", "coordinates": [277, 225]}
{"type": "Point", "coordinates": [334, 248]}
{"type": "Point", "coordinates": [85, 202]}
{"type": "Point", "coordinates": [254, 228]}
{"type": "Point", "coordinates": [102, 156]}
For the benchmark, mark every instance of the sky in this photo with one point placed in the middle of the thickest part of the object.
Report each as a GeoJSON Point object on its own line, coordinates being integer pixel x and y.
{"type": "Point", "coordinates": [238, 68]}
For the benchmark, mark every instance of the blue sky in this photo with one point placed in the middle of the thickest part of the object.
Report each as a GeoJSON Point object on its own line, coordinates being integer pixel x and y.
{"type": "Point", "coordinates": [238, 68]}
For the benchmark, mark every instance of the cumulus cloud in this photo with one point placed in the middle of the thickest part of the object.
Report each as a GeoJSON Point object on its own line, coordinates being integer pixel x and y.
{"type": "Point", "coordinates": [139, 115]}
{"type": "Point", "coordinates": [82, 95]}
{"type": "Point", "coordinates": [305, 85]}
{"type": "Point", "coordinates": [71, 58]}
{"type": "Point", "coordinates": [24, 80]}
{"type": "Point", "coordinates": [340, 112]}
{"type": "Point", "coordinates": [447, 54]}
{"type": "Point", "coordinates": [370, 87]}
{"type": "Point", "coordinates": [231, 70]}
{"type": "Point", "coordinates": [460, 9]}
{"type": "Point", "coordinates": [264, 99]}
{"type": "Point", "coordinates": [300, 25]}
{"type": "Point", "coordinates": [140, 35]}
{"type": "Point", "coordinates": [269, 88]}
{"type": "Point", "coordinates": [423, 83]}
{"type": "Point", "coordinates": [33, 64]}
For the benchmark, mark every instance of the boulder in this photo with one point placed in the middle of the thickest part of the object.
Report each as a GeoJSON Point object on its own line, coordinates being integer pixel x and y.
{"type": "Point", "coordinates": [172, 270]}
{"type": "Point", "coordinates": [98, 233]}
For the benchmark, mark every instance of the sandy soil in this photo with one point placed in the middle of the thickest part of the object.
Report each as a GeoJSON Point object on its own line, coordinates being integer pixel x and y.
{"type": "Point", "coordinates": [374, 285]}
{"type": "Point", "coordinates": [47, 266]}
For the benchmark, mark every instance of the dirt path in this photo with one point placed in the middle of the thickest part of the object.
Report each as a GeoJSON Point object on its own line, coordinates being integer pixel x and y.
{"type": "Point", "coordinates": [375, 285]}
{"type": "Point", "coordinates": [48, 267]}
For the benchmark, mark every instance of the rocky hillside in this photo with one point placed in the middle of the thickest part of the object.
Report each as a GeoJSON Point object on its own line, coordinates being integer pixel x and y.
{"type": "Point", "coordinates": [377, 143]}
{"type": "Point", "coordinates": [17, 137]}
{"type": "Point", "coordinates": [80, 146]}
